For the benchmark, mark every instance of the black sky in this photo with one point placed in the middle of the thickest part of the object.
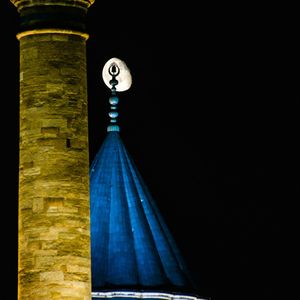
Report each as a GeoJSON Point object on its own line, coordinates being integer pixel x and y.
{"type": "Point", "coordinates": [197, 123]}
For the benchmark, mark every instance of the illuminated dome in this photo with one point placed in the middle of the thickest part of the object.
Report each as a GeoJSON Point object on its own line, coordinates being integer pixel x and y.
{"type": "Point", "coordinates": [132, 248]}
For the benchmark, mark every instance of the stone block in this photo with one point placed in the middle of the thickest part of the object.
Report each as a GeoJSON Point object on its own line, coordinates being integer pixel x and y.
{"type": "Point", "coordinates": [56, 276]}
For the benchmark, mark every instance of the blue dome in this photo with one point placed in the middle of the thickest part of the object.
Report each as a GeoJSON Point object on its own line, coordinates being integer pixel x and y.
{"type": "Point", "coordinates": [131, 244]}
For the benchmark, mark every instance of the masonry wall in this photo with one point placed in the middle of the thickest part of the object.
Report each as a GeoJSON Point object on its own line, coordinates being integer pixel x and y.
{"type": "Point", "coordinates": [54, 214]}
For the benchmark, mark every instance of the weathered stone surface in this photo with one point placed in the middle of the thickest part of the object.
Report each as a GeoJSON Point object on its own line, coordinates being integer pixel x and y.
{"type": "Point", "coordinates": [54, 221]}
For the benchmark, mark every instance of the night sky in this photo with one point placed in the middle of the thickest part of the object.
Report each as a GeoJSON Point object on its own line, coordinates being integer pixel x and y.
{"type": "Point", "coordinates": [197, 123]}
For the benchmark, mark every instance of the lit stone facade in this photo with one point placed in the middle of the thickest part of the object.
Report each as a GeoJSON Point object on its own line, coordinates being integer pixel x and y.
{"type": "Point", "coordinates": [54, 210]}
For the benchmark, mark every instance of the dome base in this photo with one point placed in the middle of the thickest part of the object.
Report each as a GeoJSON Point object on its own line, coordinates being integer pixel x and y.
{"type": "Point", "coordinates": [143, 295]}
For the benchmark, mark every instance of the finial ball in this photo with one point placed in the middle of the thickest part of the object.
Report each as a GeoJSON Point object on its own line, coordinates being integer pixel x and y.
{"type": "Point", "coordinates": [113, 100]}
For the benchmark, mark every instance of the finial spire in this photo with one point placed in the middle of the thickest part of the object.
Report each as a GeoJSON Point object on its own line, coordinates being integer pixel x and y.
{"type": "Point", "coordinates": [117, 77]}
{"type": "Point", "coordinates": [114, 71]}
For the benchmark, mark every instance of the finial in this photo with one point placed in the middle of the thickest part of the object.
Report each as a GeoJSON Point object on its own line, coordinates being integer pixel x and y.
{"type": "Point", "coordinates": [117, 77]}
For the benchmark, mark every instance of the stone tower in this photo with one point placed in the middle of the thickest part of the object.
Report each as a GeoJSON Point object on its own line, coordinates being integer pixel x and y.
{"type": "Point", "coordinates": [54, 213]}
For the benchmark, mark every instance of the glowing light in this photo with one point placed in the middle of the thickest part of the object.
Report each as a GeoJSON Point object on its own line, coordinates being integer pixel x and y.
{"type": "Point", "coordinates": [51, 30]}
{"type": "Point", "coordinates": [124, 78]}
{"type": "Point", "coordinates": [144, 295]}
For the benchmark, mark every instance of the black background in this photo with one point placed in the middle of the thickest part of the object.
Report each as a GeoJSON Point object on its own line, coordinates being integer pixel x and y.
{"type": "Point", "coordinates": [198, 122]}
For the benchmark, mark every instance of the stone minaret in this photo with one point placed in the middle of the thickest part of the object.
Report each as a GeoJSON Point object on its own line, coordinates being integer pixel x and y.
{"type": "Point", "coordinates": [54, 213]}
